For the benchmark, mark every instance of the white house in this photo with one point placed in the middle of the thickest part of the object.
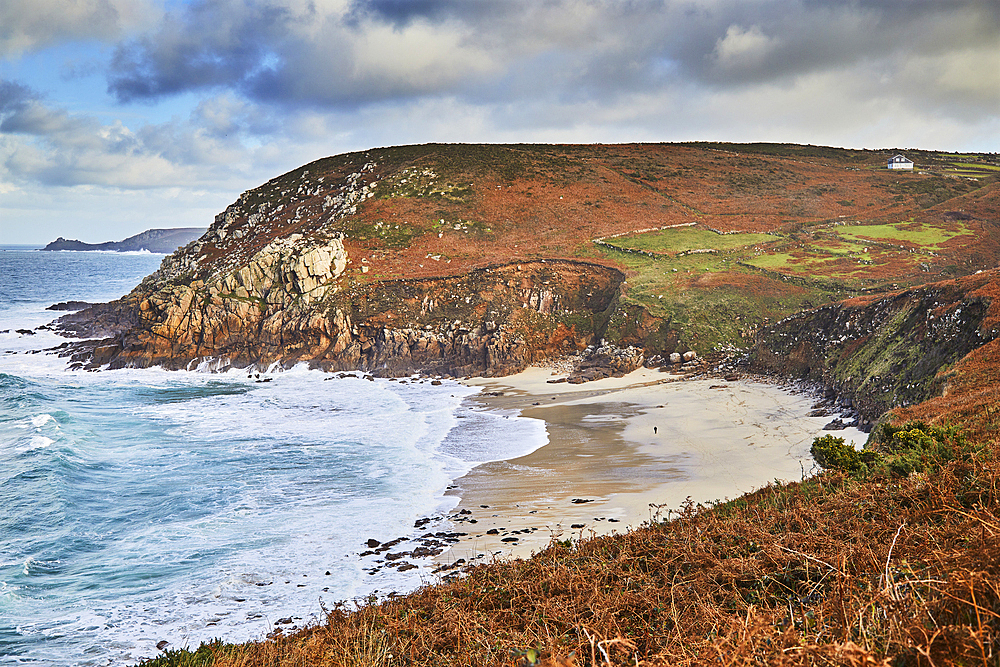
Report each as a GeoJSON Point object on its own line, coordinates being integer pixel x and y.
{"type": "Point", "coordinates": [900, 162]}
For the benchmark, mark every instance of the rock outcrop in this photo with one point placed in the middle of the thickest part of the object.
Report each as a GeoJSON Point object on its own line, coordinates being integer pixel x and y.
{"type": "Point", "coordinates": [877, 353]}
{"type": "Point", "coordinates": [460, 260]}
{"type": "Point", "coordinates": [286, 307]}
{"type": "Point", "coordinates": [273, 280]}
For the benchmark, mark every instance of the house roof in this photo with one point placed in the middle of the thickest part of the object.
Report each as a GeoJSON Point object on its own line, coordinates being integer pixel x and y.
{"type": "Point", "coordinates": [901, 158]}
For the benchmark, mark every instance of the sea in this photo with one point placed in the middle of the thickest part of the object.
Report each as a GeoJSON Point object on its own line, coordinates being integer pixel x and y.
{"type": "Point", "coordinates": [146, 506]}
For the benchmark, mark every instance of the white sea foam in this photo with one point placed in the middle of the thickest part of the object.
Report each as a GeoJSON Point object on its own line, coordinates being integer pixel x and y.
{"type": "Point", "coordinates": [142, 252]}
{"type": "Point", "coordinates": [37, 442]}
{"type": "Point", "coordinates": [314, 467]}
{"type": "Point", "coordinates": [208, 505]}
{"type": "Point", "coordinates": [487, 435]}
{"type": "Point", "coordinates": [38, 421]}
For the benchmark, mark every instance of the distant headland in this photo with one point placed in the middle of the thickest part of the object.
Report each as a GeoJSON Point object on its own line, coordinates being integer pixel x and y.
{"type": "Point", "coordinates": [153, 240]}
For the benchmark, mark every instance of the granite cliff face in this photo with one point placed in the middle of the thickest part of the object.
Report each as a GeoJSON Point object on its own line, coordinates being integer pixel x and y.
{"type": "Point", "coordinates": [284, 276]}
{"type": "Point", "coordinates": [285, 307]}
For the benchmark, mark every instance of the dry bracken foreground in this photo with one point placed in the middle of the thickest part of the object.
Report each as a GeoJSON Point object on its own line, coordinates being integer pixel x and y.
{"type": "Point", "coordinates": [891, 559]}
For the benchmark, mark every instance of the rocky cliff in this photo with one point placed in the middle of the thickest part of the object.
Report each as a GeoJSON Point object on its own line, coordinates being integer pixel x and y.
{"type": "Point", "coordinates": [296, 271]}
{"type": "Point", "coordinates": [285, 306]}
{"type": "Point", "coordinates": [887, 351]}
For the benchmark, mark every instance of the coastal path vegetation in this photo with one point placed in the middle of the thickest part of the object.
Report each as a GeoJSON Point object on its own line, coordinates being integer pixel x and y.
{"type": "Point", "coordinates": [890, 561]}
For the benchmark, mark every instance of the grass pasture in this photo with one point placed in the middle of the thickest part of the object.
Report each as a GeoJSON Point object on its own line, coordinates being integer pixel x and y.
{"type": "Point", "coordinates": [911, 234]}
{"type": "Point", "coordinates": [851, 270]}
{"type": "Point", "coordinates": [710, 299]}
{"type": "Point", "coordinates": [686, 239]}
{"type": "Point", "coordinates": [969, 166]}
{"type": "Point", "coordinates": [865, 256]}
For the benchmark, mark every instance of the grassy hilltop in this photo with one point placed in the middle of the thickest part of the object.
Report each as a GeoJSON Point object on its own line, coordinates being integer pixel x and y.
{"type": "Point", "coordinates": [717, 239]}
{"type": "Point", "coordinates": [820, 263]}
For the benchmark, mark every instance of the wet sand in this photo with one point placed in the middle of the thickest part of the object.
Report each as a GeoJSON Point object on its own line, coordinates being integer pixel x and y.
{"type": "Point", "coordinates": [605, 469]}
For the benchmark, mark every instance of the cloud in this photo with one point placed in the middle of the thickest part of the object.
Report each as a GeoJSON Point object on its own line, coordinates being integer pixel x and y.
{"type": "Point", "coordinates": [339, 55]}
{"type": "Point", "coordinates": [48, 145]}
{"type": "Point", "coordinates": [742, 48]}
{"type": "Point", "coordinates": [26, 26]}
{"type": "Point", "coordinates": [279, 82]}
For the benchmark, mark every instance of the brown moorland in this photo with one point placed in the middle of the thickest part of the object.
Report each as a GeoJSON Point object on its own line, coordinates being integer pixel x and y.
{"type": "Point", "coordinates": [716, 241]}
{"type": "Point", "coordinates": [895, 565]}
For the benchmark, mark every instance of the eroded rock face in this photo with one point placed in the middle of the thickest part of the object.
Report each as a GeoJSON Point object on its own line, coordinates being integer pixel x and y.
{"type": "Point", "coordinates": [881, 353]}
{"type": "Point", "coordinates": [287, 305]}
{"type": "Point", "coordinates": [271, 281]}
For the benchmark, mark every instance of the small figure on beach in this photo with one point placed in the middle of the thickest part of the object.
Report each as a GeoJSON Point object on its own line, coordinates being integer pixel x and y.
{"type": "Point", "coordinates": [654, 430]}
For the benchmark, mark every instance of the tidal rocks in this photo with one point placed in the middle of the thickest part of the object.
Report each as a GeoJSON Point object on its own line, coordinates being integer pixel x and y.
{"type": "Point", "coordinates": [606, 361]}
{"type": "Point", "coordinates": [70, 305]}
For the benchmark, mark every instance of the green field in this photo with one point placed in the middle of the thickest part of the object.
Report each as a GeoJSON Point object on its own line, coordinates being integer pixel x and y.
{"type": "Point", "coordinates": [709, 299]}
{"type": "Point", "coordinates": [975, 165]}
{"type": "Point", "coordinates": [911, 233]}
{"type": "Point", "coordinates": [685, 239]}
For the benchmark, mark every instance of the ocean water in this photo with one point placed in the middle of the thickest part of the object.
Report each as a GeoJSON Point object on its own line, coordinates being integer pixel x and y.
{"type": "Point", "coordinates": [139, 506]}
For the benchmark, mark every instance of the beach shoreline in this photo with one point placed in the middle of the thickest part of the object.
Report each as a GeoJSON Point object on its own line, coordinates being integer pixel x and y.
{"type": "Point", "coordinates": [624, 451]}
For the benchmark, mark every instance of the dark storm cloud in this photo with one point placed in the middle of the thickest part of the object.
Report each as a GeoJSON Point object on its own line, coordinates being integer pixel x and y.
{"type": "Point", "coordinates": [402, 12]}
{"type": "Point", "coordinates": [14, 99]}
{"type": "Point", "coordinates": [211, 44]}
{"type": "Point", "coordinates": [295, 53]}
{"type": "Point", "coordinates": [777, 40]}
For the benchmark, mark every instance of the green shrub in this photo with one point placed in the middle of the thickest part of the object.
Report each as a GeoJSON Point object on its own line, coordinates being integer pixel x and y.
{"type": "Point", "coordinates": [917, 446]}
{"type": "Point", "coordinates": [203, 656]}
{"type": "Point", "coordinates": [831, 453]}
{"type": "Point", "coordinates": [898, 450]}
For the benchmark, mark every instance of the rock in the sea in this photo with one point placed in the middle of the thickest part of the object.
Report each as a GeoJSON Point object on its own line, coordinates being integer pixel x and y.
{"type": "Point", "coordinates": [70, 305]}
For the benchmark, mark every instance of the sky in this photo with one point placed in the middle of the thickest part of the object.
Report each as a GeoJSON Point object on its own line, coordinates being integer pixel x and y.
{"type": "Point", "coordinates": [118, 116]}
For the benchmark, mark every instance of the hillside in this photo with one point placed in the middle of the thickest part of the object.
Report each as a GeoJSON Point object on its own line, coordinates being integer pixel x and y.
{"type": "Point", "coordinates": [151, 240]}
{"type": "Point", "coordinates": [462, 259]}
{"type": "Point", "coordinates": [895, 563]}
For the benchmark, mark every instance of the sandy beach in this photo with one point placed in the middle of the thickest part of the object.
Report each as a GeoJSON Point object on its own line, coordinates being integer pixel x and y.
{"type": "Point", "coordinates": [624, 450]}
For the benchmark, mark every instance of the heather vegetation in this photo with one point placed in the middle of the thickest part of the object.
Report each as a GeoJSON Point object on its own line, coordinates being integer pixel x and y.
{"type": "Point", "coordinates": [757, 232]}
{"type": "Point", "coordinates": [887, 557]}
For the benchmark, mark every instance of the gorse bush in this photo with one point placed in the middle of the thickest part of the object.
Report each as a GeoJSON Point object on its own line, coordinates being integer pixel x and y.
{"type": "Point", "coordinates": [918, 447]}
{"type": "Point", "coordinates": [899, 450]}
{"type": "Point", "coordinates": [831, 453]}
